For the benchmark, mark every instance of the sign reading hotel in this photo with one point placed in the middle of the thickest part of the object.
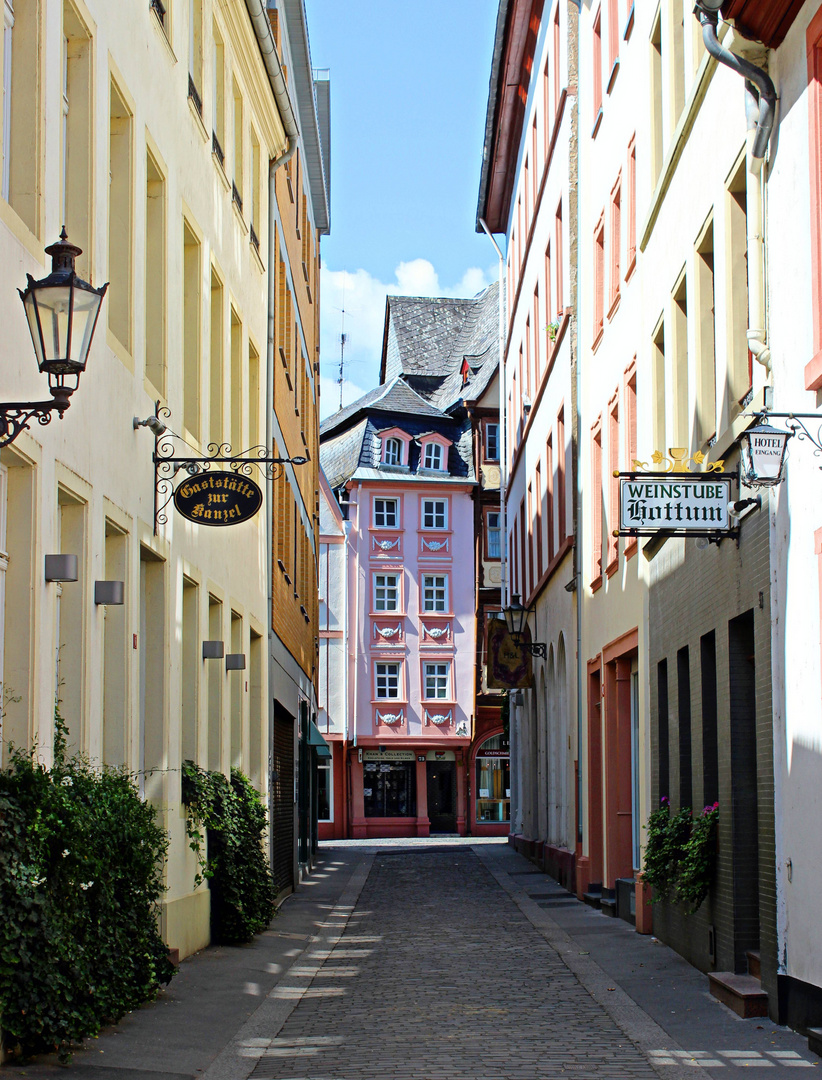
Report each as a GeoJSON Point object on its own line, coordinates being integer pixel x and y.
{"type": "Point", "coordinates": [690, 505]}
{"type": "Point", "coordinates": [218, 498]}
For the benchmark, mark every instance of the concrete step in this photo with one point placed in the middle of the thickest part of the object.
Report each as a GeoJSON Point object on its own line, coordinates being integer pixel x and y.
{"type": "Point", "coordinates": [815, 1041]}
{"type": "Point", "coordinates": [743, 994]}
{"type": "Point", "coordinates": [592, 899]}
{"type": "Point", "coordinates": [754, 963]}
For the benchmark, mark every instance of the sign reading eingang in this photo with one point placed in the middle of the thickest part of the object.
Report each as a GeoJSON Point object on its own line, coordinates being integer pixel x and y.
{"type": "Point", "coordinates": [676, 503]}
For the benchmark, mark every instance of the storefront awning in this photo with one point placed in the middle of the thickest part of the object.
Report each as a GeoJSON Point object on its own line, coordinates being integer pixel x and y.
{"type": "Point", "coordinates": [316, 740]}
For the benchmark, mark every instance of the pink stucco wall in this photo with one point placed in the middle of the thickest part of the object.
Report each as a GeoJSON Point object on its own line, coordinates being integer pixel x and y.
{"type": "Point", "coordinates": [411, 636]}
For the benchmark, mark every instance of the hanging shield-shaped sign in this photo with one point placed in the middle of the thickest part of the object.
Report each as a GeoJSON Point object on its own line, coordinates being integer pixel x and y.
{"type": "Point", "coordinates": [218, 498]}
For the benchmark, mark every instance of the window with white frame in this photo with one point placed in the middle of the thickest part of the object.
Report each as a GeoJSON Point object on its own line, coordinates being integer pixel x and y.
{"type": "Point", "coordinates": [436, 678]}
{"type": "Point", "coordinates": [392, 452]}
{"type": "Point", "coordinates": [386, 681]}
{"type": "Point", "coordinates": [386, 592]}
{"type": "Point", "coordinates": [435, 513]}
{"type": "Point", "coordinates": [433, 456]}
{"type": "Point", "coordinates": [386, 513]}
{"type": "Point", "coordinates": [492, 442]}
{"type": "Point", "coordinates": [492, 532]}
{"type": "Point", "coordinates": [434, 592]}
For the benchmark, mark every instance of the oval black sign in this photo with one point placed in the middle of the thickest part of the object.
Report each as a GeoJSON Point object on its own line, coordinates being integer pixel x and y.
{"type": "Point", "coordinates": [218, 498]}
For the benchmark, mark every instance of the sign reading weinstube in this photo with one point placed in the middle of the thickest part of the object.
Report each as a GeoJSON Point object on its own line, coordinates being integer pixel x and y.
{"type": "Point", "coordinates": [677, 503]}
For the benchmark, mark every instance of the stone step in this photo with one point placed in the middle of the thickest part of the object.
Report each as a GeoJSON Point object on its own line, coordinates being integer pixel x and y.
{"type": "Point", "coordinates": [815, 1041]}
{"type": "Point", "coordinates": [743, 994]}
{"type": "Point", "coordinates": [608, 906]}
{"type": "Point", "coordinates": [754, 963]}
{"type": "Point", "coordinates": [592, 899]}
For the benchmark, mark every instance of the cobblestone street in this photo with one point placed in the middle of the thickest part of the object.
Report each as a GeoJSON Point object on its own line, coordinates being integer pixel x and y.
{"type": "Point", "coordinates": [438, 975]}
{"type": "Point", "coordinates": [439, 959]}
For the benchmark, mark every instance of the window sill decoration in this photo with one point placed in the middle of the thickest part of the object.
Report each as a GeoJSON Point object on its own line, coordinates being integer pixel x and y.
{"type": "Point", "coordinates": [386, 545]}
{"type": "Point", "coordinates": [435, 545]}
{"type": "Point", "coordinates": [389, 718]}
{"type": "Point", "coordinates": [435, 632]}
{"type": "Point", "coordinates": [387, 631]}
{"type": "Point", "coordinates": [439, 719]}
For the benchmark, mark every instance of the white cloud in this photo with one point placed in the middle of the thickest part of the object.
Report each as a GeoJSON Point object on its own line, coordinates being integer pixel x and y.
{"type": "Point", "coordinates": [362, 297]}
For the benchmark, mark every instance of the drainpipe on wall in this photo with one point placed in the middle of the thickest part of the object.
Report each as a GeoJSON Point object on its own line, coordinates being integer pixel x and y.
{"type": "Point", "coordinates": [760, 106]}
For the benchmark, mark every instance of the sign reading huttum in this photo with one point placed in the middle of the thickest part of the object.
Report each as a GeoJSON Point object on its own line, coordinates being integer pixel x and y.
{"type": "Point", "coordinates": [218, 498]}
{"type": "Point", "coordinates": [650, 504]}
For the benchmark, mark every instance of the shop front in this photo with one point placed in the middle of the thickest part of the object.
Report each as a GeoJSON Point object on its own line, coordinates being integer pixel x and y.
{"type": "Point", "coordinates": [491, 788]}
{"type": "Point", "coordinates": [418, 791]}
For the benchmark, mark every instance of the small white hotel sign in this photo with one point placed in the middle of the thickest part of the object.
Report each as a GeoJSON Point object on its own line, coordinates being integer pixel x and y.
{"type": "Point", "coordinates": [696, 505]}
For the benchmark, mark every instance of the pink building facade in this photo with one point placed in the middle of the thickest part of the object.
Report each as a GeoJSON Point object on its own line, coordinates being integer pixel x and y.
{"type": "Point", "coordinates": [401, 463]}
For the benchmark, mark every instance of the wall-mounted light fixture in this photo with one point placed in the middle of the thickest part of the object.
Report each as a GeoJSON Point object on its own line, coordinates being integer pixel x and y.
{"type": "Point", "coordinates": [61, 568]}
{"type": "Point", "coordinates": [516, 619]}
{"type": "Point", "coordinates": [109, 592]}
{"type": "Point", "coordinates": [763, 454]}
{"type": "Point", "coordinates": [62, 312]}
{"type": "Point", "coordinates": [213, 650]}
{"type": "Point", "coordinates": [235, 661]}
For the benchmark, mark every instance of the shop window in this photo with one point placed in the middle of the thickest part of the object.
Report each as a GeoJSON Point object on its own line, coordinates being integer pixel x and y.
{"type": "Point", "coordinates": [434, 592]}
{"type": "Point", "coordinates": [386, 513]}
{"type": "Point", "coordinates": [436, 680]}
{"type": "Point", "coordinates": [493, 781]}
{"type": "Point", "coordinates": [386, 681]}
{"type": "Point", "coordinates": [434, 514]}
{"type": "Point", "coordinates": [386, 592]}
{"type": "Point", "coordinates": [325, 791]}
{"type": "Point", "coordinates": [390, 789]}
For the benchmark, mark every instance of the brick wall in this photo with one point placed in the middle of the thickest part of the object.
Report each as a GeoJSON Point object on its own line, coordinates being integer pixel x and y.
{"type": "Point", "coordinates": [724, 589]}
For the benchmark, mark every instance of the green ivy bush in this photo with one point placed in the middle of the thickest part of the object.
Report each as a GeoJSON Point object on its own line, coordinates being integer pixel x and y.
{"type": "Point", "coordinates": [680, 854]}
{"type": "Point", "coordinates": [233, 817]}
{"type": "Point", "coordinates": [80, 876]}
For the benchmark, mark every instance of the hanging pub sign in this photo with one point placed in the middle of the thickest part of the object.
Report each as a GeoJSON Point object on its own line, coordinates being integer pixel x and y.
{"type": "Point", "coordinates": [218, 498]}
{"type": "Point", "coordinates": [675, 500]}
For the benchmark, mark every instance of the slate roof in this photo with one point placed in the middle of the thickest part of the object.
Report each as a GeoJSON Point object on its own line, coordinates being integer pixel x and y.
{"type": "Point", "coordinates": [427, 341]}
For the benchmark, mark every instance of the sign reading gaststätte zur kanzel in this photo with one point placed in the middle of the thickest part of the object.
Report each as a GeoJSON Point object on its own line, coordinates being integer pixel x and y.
{"type": "Point", "coordinates": [681, 504]}
{"type": "Point", "coordinates": [218, 498]}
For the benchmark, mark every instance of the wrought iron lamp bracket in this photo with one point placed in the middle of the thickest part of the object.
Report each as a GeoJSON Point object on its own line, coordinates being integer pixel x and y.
{"type": "Point", "coordinates": [169, 459]}
{"type": "Point", "coordinates": [15, 416]}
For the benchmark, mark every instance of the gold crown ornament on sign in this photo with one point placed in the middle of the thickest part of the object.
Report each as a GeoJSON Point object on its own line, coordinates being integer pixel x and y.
{"type": "Point", "coordinates": [677, 460]}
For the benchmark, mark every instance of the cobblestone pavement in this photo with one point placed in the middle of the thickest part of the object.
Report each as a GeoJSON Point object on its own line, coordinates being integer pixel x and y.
{"type": "Point", "coordinates": [438, 976]}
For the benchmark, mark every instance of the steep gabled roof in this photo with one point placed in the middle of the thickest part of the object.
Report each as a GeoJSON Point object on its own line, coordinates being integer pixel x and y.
{"type": "Point", "coordinates": [419, 334]}
{"type": "Point", "coordinates": [396, 397]}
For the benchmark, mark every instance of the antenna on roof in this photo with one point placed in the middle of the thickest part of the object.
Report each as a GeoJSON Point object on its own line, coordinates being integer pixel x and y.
{"type": "Point", "coordinates": [343, 339]}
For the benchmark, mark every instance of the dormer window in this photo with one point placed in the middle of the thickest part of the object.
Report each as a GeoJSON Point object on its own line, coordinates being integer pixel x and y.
{"type": "Point", "coordinates": [432, 458]}
{"type": "Point", "coordinates": [392, 452]}
{"type": "Point", "coordinates": [393, 448]}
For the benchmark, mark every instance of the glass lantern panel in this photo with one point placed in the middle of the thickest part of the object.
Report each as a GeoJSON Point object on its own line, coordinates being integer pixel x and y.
{"type": "Point", "coordinates": [34, 328]}
{"type": "Point", "coordinates": [54, 305]}
{"type": "Point", "coordinates": [86, 307]}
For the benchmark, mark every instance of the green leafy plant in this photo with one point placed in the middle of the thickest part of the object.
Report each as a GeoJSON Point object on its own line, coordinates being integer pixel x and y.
{"type": "Point", "coordinates": [552, 328]}
{"type": "Point", "coordinates": [680, 854]}
{"type": "Point", "coordinates": [81, 860]}
{"type": "Point", "coordinates": [664, 848]}
{"type": "Point", "coordinates": [225, 823]}
{"type": "Point", "coordinates": [698, 863]}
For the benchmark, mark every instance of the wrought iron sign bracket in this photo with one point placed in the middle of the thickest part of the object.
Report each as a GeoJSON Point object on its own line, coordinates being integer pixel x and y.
{"type": "Point", "coordinates": [169, 460]}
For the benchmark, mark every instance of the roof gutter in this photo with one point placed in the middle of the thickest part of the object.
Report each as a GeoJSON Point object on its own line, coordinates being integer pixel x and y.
{"type": "Point", "coordinates": [265, 38]}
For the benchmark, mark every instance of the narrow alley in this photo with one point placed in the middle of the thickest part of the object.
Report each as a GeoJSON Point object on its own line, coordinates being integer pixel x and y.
{"type": "Point", "coordinates": [443, 959]}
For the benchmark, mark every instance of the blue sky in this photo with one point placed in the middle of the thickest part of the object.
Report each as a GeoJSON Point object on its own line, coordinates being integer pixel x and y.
{"type": "Point", "coordinates": [409, 89]}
